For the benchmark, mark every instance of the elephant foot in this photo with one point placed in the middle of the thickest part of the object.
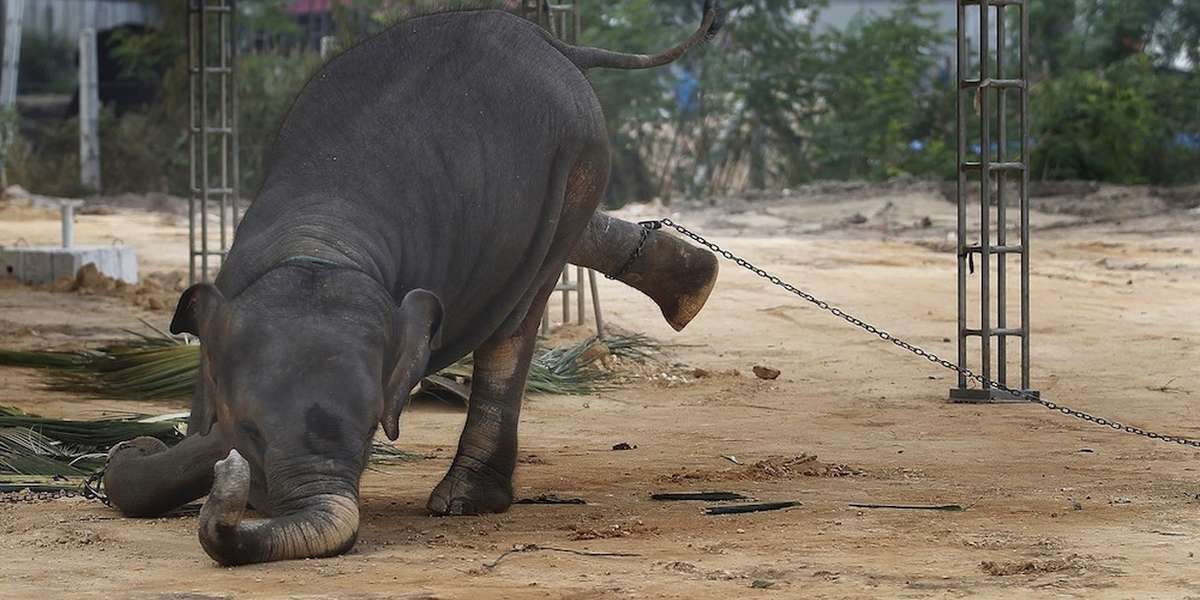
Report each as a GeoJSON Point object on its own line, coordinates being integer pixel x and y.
{"type": "Point", "coordinates": [677, 275]}
{"type": "Point", "coordinates": [135, 448]}
{"type": "Point", "coordinates": [471, 488]}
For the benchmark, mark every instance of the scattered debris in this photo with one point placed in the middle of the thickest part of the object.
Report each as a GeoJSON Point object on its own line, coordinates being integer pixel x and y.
{"type": "Point", "coordinates": [681, 567]}
{"type": "Point", "coordinates": [944, 507]}
{"type": "Point", "coordinates": [702, 496]}
{"type": "Point", "coordinates": [1120, 500]}
{"type": "Point", "coordinates": [550, 499]}
{"type": "Point", "coordinates": [531, 459]}
{"type": "Point", "coordinates": [767, 373]}
{"type": "Point", "coordinates": [1167, 388]}
{"type": "Point", "coordinates": [616, 530]}
{"type": "Point", "coordinates": [523, 548]}
{"type": "Point", "coordinates": [1032, 567]}
{"type": "Point", "coordinates": [805, 465]}
{"type": "Point", "coordinates": [624, 446]}
{"type": "Point", "coordinates": [735, 509]}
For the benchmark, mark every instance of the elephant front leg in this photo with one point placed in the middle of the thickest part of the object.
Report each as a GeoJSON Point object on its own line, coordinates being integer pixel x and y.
{"type": "Point", "coordinates": [677, 275]}
{"type": "Point", "coordinates": [480, 478]}
{"type": "Point", "coordinates": [145, 478]}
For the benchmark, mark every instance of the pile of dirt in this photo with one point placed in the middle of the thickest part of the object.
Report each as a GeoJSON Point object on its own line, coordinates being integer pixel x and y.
{"type": "Point", "coordinates": [769, 468]}
{"type": "Point", "coordinates": [616, 530]}
{"type": "Point", "coordinates": [803, 465]}
{"type": "Point", "coordinates": [155, 291]}
{"type": "Point", "coordinates": [1073, 562]}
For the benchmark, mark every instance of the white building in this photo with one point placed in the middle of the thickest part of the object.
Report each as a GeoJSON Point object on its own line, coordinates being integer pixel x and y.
{"type": "Point", "coordinates": [66, 18]}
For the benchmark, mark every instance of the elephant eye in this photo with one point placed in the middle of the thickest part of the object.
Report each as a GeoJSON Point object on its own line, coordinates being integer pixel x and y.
{"type": "Point", "coordinates": [252, 434]}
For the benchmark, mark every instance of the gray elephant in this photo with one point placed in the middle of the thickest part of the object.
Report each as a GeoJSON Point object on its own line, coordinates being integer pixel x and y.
{"type": "Point", "coordinates": [422, 196]}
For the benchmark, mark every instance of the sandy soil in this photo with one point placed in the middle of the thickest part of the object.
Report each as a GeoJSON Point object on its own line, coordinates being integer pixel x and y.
{"type": "Point", "coordinates": [1054, 507]}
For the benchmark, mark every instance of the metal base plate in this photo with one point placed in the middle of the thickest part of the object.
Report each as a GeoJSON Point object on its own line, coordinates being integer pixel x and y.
{"type": "Point", "coordinates": [988, 396]}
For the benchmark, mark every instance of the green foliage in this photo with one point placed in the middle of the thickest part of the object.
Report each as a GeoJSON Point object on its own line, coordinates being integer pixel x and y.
{"type": "Point", "coordinates": [1118, 124]}
{"type": "Point", "coordinates": [268, 82]}
{"type": "Point", "coordinates": [47, 64]}
{"type": "Point", "coordinates": [777, 100]}
{"type": "Point", "coordinates": [876, 88]}
{"type": "Point", "coordinates": [162, 367]}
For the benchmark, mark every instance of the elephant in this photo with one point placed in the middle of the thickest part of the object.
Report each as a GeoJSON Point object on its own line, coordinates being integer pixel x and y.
{"type": "Point", "coordinates": [421, 197]}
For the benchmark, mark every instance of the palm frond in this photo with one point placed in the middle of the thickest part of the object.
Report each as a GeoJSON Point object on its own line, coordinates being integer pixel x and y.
{"type": "Point", "coordinates": [162, 367]}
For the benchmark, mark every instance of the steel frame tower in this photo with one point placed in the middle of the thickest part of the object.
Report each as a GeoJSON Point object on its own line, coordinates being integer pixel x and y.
{"type": "Point", "coordinates": [212, 133]}
{"type": "Point", "coordinates": [991, 87]}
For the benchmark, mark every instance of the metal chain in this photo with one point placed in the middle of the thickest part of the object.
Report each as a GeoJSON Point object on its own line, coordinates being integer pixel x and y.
{"type": "Point", "coordinates": [931, 357]}
{"type": "Point", "coordinates": [645, 233]}
{"type": "Point", "coordinates": [93, 487]}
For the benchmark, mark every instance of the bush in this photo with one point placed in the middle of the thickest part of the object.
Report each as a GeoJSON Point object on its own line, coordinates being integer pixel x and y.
{"type": "Point", "coordinates": [266, 86]}
{"type": "Point", "coordinates": [47, 64]}
{"type": "Point", "coordinates": [1128, 123]}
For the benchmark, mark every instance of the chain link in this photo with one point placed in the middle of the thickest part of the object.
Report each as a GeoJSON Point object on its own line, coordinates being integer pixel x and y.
{"type": "Point", "coordinates": [917, 350]}
{"type": "Point", "coordinates": [93, 487]}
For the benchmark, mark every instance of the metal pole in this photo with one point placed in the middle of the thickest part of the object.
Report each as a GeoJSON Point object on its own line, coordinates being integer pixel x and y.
{"type": "Point", "coordinates": [985, 196]}
{"type": "Point", "coordinates": [1026, 160]}
{"type": "Point", "coordinates": [1001, 234]}
{"type": "Point", "coordinates": [193, 128]}
{"type": "Point", "coordinates": [960, 110]}
{"type": "Point", "coordinates": [233, 121]}
{"type": "Point", "coordinates": [204, 182]}
{"type": "Point", "coordinates": [566, 295]}
{"type": "Point", "coordinates": [579, 299]}
{"type": "Point", "coordinates": [596, 303]}
{"type": "Point", "coordinates": [223, 83]}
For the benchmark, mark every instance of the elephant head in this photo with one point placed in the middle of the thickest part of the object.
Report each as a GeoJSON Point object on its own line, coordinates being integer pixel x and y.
{"type": "Point", "coordinates": [297, 370]}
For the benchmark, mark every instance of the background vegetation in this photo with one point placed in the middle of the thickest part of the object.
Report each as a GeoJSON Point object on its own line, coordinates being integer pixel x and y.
{"type": "Point", "coordinates": [776, 102]}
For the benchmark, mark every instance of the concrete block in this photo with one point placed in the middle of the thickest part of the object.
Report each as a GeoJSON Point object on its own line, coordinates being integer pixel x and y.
{"type": "Point", "coordinates": [45, 264]}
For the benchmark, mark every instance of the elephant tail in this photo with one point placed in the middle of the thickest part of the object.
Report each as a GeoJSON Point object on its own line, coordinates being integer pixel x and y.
{"type": "Point", "coordinates": [598, 58]}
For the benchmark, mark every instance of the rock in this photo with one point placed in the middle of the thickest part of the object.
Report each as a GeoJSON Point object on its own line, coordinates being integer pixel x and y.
{"type": "Point", "coordinates": [594, 352]}
{"type": "Point", "coordinates": [623, 446]}
{"type": "Point", "coordinates": [766, 372]}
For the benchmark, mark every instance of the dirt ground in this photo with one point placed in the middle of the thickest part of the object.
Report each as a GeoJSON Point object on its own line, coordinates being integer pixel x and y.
{"type": "Point", "coordinates": [1054, 507]}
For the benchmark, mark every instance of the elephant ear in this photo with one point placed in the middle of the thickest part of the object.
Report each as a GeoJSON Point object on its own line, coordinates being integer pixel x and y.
{"type": "Point", "coordinates": [420, 327]}
{"type": "Point", "coordinates": [199, 308]}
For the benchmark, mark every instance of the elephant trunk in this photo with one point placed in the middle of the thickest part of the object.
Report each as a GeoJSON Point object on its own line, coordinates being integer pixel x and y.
{"type": "Point", "coordinates": [321, 525]}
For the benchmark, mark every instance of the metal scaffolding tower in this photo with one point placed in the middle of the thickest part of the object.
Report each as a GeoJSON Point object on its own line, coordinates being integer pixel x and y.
{"type": "Point", "coordinates": [212, 133]}
{"type": "Point", "coordinates": [562, 21]}
{"type": "Point", "coordinates": [988, 91]}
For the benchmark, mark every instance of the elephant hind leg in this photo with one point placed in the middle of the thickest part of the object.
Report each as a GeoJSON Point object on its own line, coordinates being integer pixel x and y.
{"type": "Point", "coordinates": [676, 275]}
{"type": "Point", "coordinates": [145, 478]}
